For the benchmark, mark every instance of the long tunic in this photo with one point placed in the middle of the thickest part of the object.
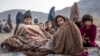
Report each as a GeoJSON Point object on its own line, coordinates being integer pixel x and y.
{"type": "Point", "coordinates": [90, 33]}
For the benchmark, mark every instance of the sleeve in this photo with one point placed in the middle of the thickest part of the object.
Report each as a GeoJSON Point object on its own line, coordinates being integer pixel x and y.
{"type": "Point", "coordinates": [93, 34]}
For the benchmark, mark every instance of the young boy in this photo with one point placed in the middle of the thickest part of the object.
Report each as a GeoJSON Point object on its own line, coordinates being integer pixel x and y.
{"type": "Point", "coordinates": [27, 20]}
{"type": "Point", "coordinates": [49, 27]}
{"type": "Point", "coordinates": [41, 25]}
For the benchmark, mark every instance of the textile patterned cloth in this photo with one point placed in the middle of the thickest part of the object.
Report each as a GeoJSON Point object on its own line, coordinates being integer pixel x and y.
{"type": "Point", "coordinates": [29, 39]}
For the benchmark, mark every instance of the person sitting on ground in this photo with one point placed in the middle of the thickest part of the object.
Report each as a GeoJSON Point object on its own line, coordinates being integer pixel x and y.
{"type": "Point", "coordinates": [3, 23]}
{"type": "Point", "coordinates": [67, 38]}
{"type": "Point", "coordinates": [35, 21]}
{"type": "Point", "coordinates": [49, 27]}
{"type": "Point", "coordinates": [89, 31]}
{"type": "Point", "coordinates": [41, 25]}
{"type": "Point", "coordinates": [6, 28]}
{"type": "Point", "coordinates": [30, 39]}
{"type": "Point", "coordinates": [27, 21]}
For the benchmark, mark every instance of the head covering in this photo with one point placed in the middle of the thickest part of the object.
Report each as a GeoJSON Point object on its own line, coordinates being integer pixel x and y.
{"type": "Point", "coordinates": [36, 21]}
{"type": "Point", "coordinates": [51, 16]}
{"type": "Point", "coordinates": [19, 18]}
{"type": "Point", "coordinates": [74, 14]}
{"type": "Point", "coordinates": [27, 13]}
{"type": "Point", "coordinates": [68, 40]}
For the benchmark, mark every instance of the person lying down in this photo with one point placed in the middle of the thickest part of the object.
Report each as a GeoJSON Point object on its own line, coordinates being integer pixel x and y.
{"type": "Point", "coordinates": [28, 39]}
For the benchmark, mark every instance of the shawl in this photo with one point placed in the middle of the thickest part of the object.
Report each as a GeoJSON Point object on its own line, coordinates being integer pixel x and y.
{"type": "Point", "coordinates": [68, 39]}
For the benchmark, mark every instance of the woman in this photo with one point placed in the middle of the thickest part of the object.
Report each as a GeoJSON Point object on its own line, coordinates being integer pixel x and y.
{"type": "Point", "coordinates": [67, 38]}
{"type": "Point", "coordinates": [89, 31]}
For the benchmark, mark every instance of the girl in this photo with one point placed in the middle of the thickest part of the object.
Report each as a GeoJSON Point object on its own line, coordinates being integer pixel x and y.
{"type": "Point", "coordinates": [67, 38]}
{"type": "Point", "coordinates": [89, 31]}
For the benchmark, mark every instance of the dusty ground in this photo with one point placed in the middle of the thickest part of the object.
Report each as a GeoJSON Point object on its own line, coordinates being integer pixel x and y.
{"type": "Point", "coordinates": [4, 36]}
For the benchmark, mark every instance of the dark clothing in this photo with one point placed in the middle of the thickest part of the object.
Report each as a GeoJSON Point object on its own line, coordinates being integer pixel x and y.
{"type": "Point", "coordinates": [51, 31]}
{"type": "Point", "coordinates": [79, 24]}
{"type": "Point", "coordinates": [7, 29]}
{"type": "Point", "coordinates": [87, 44]}
{"type": "Point", "coordinates": [90, 33]}
{"type": "Point", "coordinates": [0, 28]}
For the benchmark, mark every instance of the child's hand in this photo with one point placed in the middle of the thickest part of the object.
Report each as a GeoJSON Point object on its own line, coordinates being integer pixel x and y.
{"type": "Point", "coordinates": [84, 41]}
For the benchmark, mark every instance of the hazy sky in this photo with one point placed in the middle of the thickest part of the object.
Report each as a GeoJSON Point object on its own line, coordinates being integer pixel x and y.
{"type": "Point", "coordinates": [35, 5]}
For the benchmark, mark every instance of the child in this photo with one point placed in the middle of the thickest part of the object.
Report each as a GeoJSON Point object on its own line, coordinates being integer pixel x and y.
{"type": "Point", "coordinates": [89, 31]}
{"type": "Point", "coordinates": [27, 20]}
{"type": "Point", "coordinates": [49, 27]}
{"type": "Point", "coordinates": [67, 38]}
{"type": "Point", "coordinates": [41, 25]}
